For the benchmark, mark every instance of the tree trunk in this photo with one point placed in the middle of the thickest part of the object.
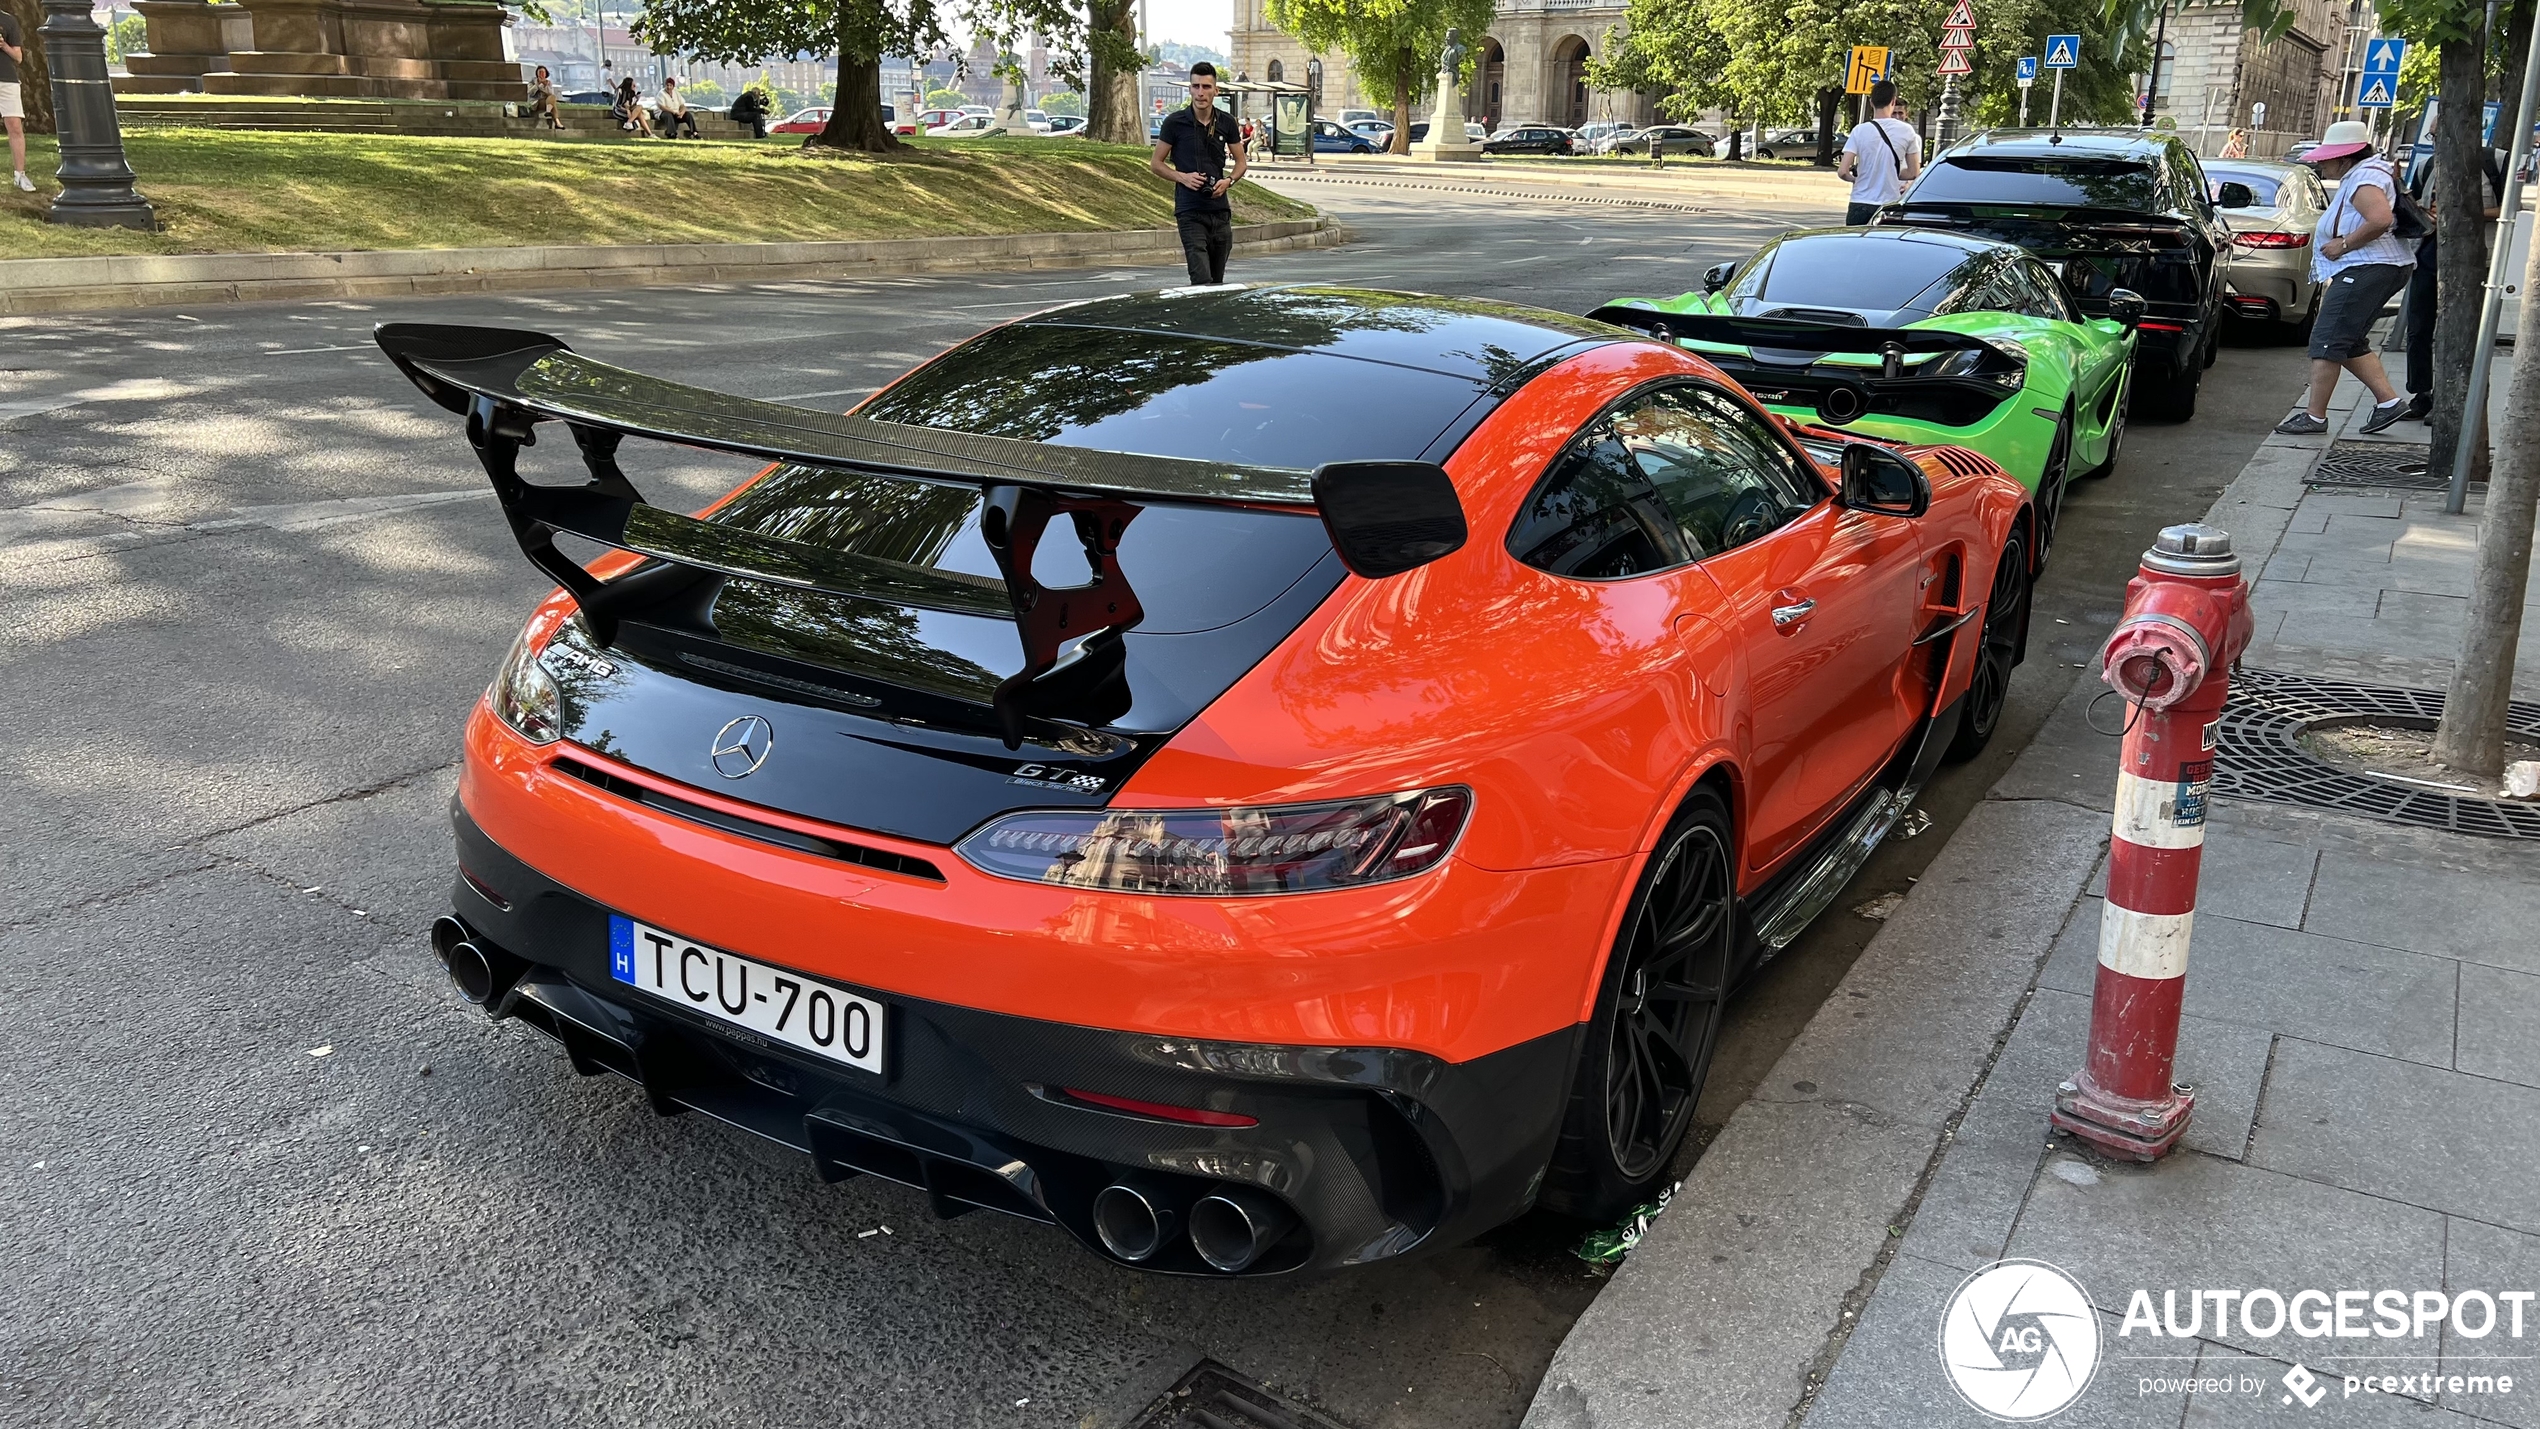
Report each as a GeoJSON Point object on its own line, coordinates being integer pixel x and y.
{"type": "Point", "coordinates": [1737, 138]}
{"type": "Point", "coordinates": [1112, 105]}
{"type": "Point", "coordinates": [2461, 198]}
{"type": "Point", "coordinates": [1827, 100]}
{"type": "Point", "coordinates": [35, 80]}
{"type": "Point", "coordinates": [2471, 737]}
{"type": "Point", "coordinates": [1401, 104]}
{"type": "Point", "coordinates": [2517, 49]}
{"type": "Point", "coordinates": [855, 116]}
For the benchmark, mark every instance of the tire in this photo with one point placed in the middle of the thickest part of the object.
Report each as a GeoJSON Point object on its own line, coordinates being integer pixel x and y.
{"type": "Point", "coordinates": [2213, 343]}
{"type": "Point", "coordinates": [2116, 429]}
{"type": "Point", "coordinates": [2054, 480]}
{"type": "Point", "coordinates": [1998, 649]}
{"type": "Point", "coordinates": [2173, 398]}
{"type": "Point", "coordinates": [1646, 1055]}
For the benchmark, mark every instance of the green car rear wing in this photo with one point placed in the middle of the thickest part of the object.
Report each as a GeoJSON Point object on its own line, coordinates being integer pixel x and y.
{"type": "Point", "coordinates": [1927, 374]}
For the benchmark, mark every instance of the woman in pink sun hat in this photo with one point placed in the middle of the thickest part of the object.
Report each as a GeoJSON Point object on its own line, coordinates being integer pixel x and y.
{"type": "Point", "coordinates": [2363, 264]}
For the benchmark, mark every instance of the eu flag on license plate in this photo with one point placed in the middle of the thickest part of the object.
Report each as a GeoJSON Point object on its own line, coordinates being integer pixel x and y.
{"type": "Point", "coordinates": [621, 947]}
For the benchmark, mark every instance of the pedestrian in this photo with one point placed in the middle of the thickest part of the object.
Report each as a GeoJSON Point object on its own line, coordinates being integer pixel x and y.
{"type": "Point", "coordinates": [628, 109]}
{"type": "Point", "coordinates": [1199, 149]}
{"type": "Point", "coordinates": [2235, 145]}
{"type": "Point", "coordinates": [542, 99]}
{"type": "Point", "coordinates": [2364, 264]}
{"type": "Point", "coordinates": [1880, 158]}
{"type": "Point", "coordinates": [673, 107]}
{"type": "Point", "coordinates": [751, 109]}
{"type": "Point", "coordinates": [12, 101]}
{"type": "Point", "coordinates": [2418, 315]}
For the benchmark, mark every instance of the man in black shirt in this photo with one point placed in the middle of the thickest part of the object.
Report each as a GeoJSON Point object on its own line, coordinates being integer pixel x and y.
{"type": "Point", "coordinates": [12, 102]}
{"type": "Point", "coordinates": [2418, 317]}
{"type": "Point", "coordinates": [1192, 149]}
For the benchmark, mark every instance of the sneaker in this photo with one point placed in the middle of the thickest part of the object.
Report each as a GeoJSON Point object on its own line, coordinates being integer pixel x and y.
{"type": "Point", "coordinates": [2301, 424]}
{"type": "Point", "coordinates": [2387, 414]}
{"type": "Point", "coordinates": [25, 184]}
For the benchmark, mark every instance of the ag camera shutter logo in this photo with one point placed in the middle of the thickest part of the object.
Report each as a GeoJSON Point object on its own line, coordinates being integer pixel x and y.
{"type": "Point", "coordinates": [2019, 1340]}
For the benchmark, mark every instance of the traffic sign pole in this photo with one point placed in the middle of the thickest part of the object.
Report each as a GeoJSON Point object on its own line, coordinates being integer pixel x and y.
{"type": "Point", "coordinates": [2055, 106]}
{"type": "Point", "coordinates": [2062, 53]}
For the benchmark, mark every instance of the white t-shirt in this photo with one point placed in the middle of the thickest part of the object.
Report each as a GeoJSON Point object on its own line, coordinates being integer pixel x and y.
{"type": "Point", "coordinates": [2343, 218]}
{"type": "Point", "coordinates": [1877, 175]}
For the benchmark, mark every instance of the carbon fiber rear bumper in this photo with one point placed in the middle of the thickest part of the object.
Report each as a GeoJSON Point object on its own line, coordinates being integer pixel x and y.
{"type": "Point", "coordinates": [1378, 1151]}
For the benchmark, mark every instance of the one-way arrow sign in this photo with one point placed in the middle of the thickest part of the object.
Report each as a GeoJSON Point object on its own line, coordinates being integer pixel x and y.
{"type": "Point", "coordinates": [2383, 56]}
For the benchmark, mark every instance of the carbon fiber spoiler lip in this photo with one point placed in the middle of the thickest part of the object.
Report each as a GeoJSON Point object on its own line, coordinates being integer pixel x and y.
{"type": "Point", "coordinates": [1783, 335]}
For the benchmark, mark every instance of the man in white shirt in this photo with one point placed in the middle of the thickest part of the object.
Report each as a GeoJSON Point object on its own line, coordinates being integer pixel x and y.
{"type": "Point", "coordinates": [673, 107]}
{"type": "Point", "coordinates": [1880, 158]}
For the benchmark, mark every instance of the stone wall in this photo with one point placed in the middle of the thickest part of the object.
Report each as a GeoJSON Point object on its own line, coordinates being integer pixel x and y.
{"type": "Point", "coordinates": [340, 49]}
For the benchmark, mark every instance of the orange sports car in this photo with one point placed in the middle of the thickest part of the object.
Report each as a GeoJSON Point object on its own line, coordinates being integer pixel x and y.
{"type": "Point", "coordinates": [1263, 779]}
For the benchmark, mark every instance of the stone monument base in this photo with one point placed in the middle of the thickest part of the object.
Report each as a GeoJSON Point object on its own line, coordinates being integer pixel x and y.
{"type": "Point", "coordinates": [1430, 151]}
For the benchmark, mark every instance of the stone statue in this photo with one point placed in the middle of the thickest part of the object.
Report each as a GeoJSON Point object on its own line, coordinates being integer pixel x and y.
{"type": "Point", "coordinates": [1451, 64]}
{"type": "Point", "coordinates": [1446, 122]}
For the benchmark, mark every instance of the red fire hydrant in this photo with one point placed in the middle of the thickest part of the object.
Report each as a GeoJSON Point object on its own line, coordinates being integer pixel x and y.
{"type": "Point", "coordinates": [2186, 621]}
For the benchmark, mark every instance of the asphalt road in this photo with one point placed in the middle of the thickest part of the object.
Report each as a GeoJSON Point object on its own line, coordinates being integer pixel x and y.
{"type": "Point", "coordinates": [262, 1167]}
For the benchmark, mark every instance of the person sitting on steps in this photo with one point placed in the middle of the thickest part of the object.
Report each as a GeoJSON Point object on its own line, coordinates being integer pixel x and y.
{"type": "Point", "coordinates": [674, 111]}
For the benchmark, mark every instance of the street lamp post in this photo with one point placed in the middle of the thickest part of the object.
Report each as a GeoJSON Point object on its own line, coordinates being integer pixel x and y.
{"type": "Point", "coordinates": [96, 179]}
{"type": "Point", "coordinates": [2152, 89]}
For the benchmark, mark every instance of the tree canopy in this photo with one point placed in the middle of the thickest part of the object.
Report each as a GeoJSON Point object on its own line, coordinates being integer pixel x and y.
{"type": "Point", "coordinates": [1393, 45]}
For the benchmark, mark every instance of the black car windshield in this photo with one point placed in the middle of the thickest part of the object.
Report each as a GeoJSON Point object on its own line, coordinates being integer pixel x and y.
{"type": "Point", "coordinates": [1848, 270]}
{"type": "Point", "coordinates": [2076, 182]}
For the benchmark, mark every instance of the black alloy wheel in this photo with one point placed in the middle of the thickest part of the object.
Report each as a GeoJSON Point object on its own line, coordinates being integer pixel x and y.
{"type": "Point", "coordinates": [1997, 650]}
{"type": "Point", "coordinates": [1648, 1050]}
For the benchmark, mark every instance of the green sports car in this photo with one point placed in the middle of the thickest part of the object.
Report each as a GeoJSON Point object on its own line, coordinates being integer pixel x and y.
{"type": "Point", "coordinates": [1916, 336]}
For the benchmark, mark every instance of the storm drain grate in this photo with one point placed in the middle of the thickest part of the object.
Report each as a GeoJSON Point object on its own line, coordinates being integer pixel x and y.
{"type": "Point", "coordinates": [1212, 1396]}
{"type": "Point", "coordinates": [2398, 466]}
{"type": "Point", "coordinates": [2258, 754]}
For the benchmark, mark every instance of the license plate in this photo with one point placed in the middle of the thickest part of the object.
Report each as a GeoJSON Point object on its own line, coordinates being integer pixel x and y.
{"type": "Point", "coordinates": [776, 1004]}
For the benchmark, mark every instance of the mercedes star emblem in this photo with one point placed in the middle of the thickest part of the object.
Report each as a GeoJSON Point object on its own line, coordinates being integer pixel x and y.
{"type": "Point", "coordinates": [742, 746]}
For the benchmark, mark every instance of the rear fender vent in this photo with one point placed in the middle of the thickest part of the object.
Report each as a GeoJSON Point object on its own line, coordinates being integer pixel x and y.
{"type": "Point", "coordinates": [860, 854]}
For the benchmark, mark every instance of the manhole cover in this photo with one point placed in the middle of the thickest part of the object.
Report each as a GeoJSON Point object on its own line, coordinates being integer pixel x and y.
{"type": "Point", "coordinates": [2401, 466]}
{"type": "Point", "coordinates": [2258, 755]}
{"type": "Point", "coordinates": [1212, 1396]}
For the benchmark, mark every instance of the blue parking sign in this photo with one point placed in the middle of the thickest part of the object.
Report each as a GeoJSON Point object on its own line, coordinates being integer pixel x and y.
{"type": "Point", "coordinates": [2028, 68]}
{"type": "Point", "coordinates": [2063, 51]}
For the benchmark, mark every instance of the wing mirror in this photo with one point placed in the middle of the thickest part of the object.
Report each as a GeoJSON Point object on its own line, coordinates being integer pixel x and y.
{"type": "Point", "coordinates": [2125, 306]}
{"type": "Point", "coordinates": [2236, 196]}
{"type": "Point", "coordinates": [1876, 479]}
{"type": "Point", "coordinates": [1387, 517]}
{"type": "Point", "coordinates": [1717, 276]}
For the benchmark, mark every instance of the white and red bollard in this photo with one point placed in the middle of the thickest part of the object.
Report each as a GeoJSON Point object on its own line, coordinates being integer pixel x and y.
{"type": "Point", "coordinates": [2186, 621]}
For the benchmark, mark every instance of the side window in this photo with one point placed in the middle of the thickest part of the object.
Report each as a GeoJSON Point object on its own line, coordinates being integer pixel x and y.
{"type": "Point", "coordinates": [1595, 516]}
{"type": "Point", "coordinates": [2045, 294]}
{"type": "Point", "coordinates": [1723, 478]}
{"type": "Point", "coordinates": [2189, 177]}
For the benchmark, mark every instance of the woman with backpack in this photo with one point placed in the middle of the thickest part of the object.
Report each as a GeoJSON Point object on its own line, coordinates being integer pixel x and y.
{"type": "Point", "coordinates": [2363, 251]}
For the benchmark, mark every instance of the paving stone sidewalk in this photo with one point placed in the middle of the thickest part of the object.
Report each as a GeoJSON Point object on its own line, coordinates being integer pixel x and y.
{"type": "Point", "coordinates": [2362, 1024]}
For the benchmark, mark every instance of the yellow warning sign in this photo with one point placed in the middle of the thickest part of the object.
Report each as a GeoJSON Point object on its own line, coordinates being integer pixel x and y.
{"type": "Point", "coordinates": [1869, 66]}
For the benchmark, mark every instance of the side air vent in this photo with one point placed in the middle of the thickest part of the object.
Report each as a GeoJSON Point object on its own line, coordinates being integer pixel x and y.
{"type": "Point", "coordinates": [652, 798]}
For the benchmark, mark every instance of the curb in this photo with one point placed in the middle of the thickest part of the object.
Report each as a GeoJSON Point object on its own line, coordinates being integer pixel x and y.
{"type": "Point", "coordinates": [61, 285]}
{"type": "Point", "coordinates": [1697, 181]}
{"type": "Point", "coordinates": [1736, 1304]}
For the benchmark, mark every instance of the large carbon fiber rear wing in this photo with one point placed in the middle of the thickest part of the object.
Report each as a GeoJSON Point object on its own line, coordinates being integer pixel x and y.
{"type": "Point", "coordinates": [1781, 355]}
{"type": "Point", "coordinates": [1384, 517]}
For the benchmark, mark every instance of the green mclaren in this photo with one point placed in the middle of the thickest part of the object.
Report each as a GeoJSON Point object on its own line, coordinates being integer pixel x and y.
{"type": "Point", "coordinates": [1917, 336]}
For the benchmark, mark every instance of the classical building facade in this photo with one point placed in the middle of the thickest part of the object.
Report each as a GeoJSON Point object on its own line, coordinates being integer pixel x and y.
{"type": "Point", "coordinates": [1530, 68]}
{"type": "Point", "coordinates": [2215, 76]}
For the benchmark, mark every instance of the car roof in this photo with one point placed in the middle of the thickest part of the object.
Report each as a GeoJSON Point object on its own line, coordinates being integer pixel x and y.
{"type": "Point", "coordinates": [1964, 242]}
{"type": "Point", "coordinates": [2048, 143]}
{"type": "Point", "coordinates": [1480, 339]}
{"type": "Point", "coordinates": [2276, 167]}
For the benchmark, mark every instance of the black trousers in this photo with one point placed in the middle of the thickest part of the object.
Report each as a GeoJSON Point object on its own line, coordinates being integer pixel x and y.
{"type": "Point", "coordinates": [1207, 240]}
{"type": "Point", "coordinates": [671, 124]}
{"type": "Point", "coordinates": [2420, 320]}
{"type": "Point", "coordinates": [1855, 215]}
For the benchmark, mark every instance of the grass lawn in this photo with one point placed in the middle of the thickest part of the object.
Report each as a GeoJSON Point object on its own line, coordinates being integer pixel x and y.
{"type": "Point", "coordinates": [227, 191]}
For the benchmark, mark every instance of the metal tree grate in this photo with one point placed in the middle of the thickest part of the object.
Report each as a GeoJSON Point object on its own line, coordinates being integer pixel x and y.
{"type": "Point", "coordinates": [1212, 1396]}
{"type": "Point", "coordinates": [2258, 754]}
{"type": "Point", "coordinates": [2400, 466]}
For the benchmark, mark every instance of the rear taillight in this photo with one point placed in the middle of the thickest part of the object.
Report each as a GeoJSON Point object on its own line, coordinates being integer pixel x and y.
{"type": "Point", "coordinates": [2271, 240]}
{"type": "Point", "coordinates": [1161, 1111]}
{"type": "Point", "coordinates": [1234, 852]}
{"type": "Point", "coordinates": [2150, 326]}
{"type": "Point", "coordinates": [524, 695]}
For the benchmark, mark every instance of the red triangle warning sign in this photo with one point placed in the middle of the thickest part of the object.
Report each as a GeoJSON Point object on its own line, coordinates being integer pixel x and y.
{"type": "Point", "coordinates": [1957, 39]}
{"type": "Point", "coordinates": [1961, 18]}
{"type": "Point", "coordinates": [1955, 62]}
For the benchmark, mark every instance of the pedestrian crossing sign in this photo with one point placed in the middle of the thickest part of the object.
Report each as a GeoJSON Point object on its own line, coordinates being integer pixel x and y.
{"type": "Point", "coordinates": [2063, 51]}
{"type": "Point", "coordinates": [1869, 66]}
{"type": "Point", "coordinates": [2380, 92]}
{"type": "Point", "coordinates": [2383, 56]}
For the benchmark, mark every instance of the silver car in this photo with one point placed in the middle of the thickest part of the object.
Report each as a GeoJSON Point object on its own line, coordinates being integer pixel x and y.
{"type": "Point", "coordinates": [2270, 272]}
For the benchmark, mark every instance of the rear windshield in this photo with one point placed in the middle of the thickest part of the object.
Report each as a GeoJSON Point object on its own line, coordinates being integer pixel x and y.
{"type": "Point", "coordinates": [2263, 186]}
{"type": "Point", "coordinates": [1171, 394]}
{"type": "Point", "coordinates": [2069, 183]}
{"type": "Point", "coordinates": [1847, 271]}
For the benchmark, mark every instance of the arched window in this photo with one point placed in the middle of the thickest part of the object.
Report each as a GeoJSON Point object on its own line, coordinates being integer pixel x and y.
{"type": "Point", "coordinates": [1278, 72]}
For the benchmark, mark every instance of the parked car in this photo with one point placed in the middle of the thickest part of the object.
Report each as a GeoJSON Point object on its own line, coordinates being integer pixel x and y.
{"type": "Point", "coordinates": [1992, 355]}
{"type": "Point", "coordinates": [1331, 138]}
{"type": "Point", "coordinates": [1040, 122]}
{"type": "Point", "coordinates": [802, 121]}
{"type": "Point", "coordinates": [2110, 209]}
{"type": "Point", "coordinates": [1678, 138]}
{"type": "Point", "coordinates": [2269, 276]}
{"type": "Point", "coordinates": [934, 119]}
{"type": "Point", "coordinates": [1531, 139]}
{"type": "Point", "coordinates": [1473, 133]}
{"type": "Point", "coordinates": [1348, 117]}
{"type": "Point", "coordinates": [1596, 135]}
{"type": "Point", "coordinates": [600, 97]}
{"type": "Point", "coordinates": [1787, 144]}
{"type": "Point", "coordinates": [1223, 945]}
{"type": "Point", "coordinates": [1375, 131]}
{"type": "Point", "coordinates": [966, 126]}
{"type": "Point", "coordinates": [1064, 124]}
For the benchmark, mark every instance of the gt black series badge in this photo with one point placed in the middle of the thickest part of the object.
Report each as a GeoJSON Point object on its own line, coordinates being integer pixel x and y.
{"type": "Point", "coordinates": [1044, 776]}
{"type": "Point", "coordinates": [741, 747]}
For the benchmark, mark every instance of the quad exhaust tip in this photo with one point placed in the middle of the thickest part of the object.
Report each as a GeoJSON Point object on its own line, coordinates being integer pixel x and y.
{"type": "Point", "coordinates": [1234, 1227]}
{"type": "Point", "coordinates": [1133, 1222]}
{"type": "Point", "coordinates": [471, 972]}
